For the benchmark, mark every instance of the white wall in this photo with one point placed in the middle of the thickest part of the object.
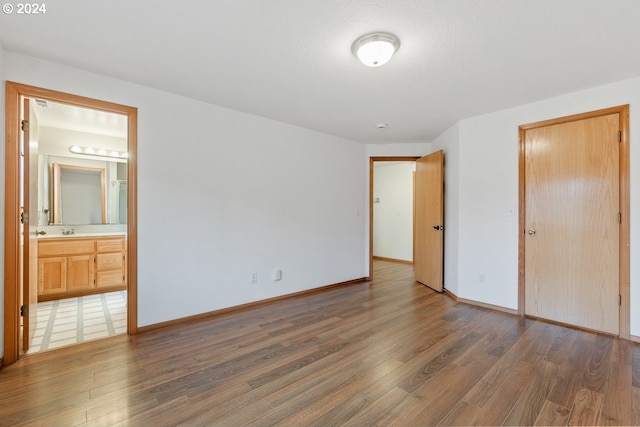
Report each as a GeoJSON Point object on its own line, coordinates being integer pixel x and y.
{"type": "Point", "coordinates": [223, 194]}
{"type": "Point", "coordinates": [393, 210]}
{"type": "Point", "coordinates": [487, 163]}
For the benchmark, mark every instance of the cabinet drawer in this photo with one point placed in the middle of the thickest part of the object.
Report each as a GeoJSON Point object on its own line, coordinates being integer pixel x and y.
{"type": "Point", "coordinates": [62, 247]}
{"type": "Point", "coordinates": [105, 262]}
{"type": "Point", "coordinates": [110, 245]}
{"type": "Point", "coordinates": [109, 278]}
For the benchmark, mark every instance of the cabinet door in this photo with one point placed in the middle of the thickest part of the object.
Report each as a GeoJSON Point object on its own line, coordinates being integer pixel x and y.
{"type": "Point", "coordinates": [80, 272]}
{"type": "Point", "coordinates": [52, 275]}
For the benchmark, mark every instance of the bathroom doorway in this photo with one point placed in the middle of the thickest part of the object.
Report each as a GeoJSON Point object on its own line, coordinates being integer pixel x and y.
{"type": "Point", "coordinates": [84, 260]}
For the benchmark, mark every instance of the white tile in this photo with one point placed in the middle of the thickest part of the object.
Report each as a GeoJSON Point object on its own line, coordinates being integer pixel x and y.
{"type": "Point", "coordinates": [64, 325]}
{"type": "Point", "coordinates": [71, 311]}
{"type": "Point", "coordinates": [39, 332]}
{"type": "Point", "coordinates": [92, 303]}
{"type": "Point", "coordinates": [94, 317]}
{"type": "Point", "coordinates": [64, 330]}
{"type": "Point", "coordinates": [94, 321]}
{"type": "Point", "coordinates": [93, 313]}
{"type": "Point", "coordinates": [119, 320]}
{"type": "Point", "coordinates": [62, 343]}
{"type": "Point", "coordinates": [94, 329]}
{"type": "Point", "coordinates": [65, 320]}
{"type": "Point", "coordinates": [63, 335]}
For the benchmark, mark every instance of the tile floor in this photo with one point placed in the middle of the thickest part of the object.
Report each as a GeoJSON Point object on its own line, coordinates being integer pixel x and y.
{"type": "Point", "coordinates": [75, 320]}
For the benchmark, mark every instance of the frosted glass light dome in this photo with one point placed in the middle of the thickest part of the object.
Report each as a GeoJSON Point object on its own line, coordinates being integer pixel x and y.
{"type": "Point", "coordinates": [375, 49]}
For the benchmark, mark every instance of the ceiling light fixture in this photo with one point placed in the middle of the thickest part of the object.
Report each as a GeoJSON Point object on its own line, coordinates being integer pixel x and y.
{"type": "Point", "coordinates": [375, 49]}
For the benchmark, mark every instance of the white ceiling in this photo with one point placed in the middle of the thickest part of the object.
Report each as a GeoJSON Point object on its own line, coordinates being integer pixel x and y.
{"type": "Point", "coordinates": [63, 116]}
{"type": "Point", "coordinates": [290, 60]}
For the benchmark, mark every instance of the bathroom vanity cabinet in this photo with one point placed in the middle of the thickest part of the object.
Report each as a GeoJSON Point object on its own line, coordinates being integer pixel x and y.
{"type": "Point", "coordinates": [75, 266]}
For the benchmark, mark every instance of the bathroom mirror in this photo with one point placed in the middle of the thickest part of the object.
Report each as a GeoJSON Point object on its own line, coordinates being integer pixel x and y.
{"type": "Point", "coordinates": [79, 195]}
{"type": "Point", "coordinates": [85, 194]}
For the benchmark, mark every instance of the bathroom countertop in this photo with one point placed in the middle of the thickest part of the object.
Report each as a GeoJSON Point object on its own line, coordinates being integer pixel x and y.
{"type": "Point", "coordinates": [83, 234]}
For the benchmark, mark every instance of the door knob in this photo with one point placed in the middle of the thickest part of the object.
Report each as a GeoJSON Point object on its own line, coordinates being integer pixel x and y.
{"type": "Point", "coordinates": [532, 232]}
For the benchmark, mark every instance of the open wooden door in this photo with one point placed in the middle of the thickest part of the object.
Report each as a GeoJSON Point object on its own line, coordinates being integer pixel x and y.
{"type": "Point", "coordinates": [29, 196]}
{"type": "Point", "coordinates": [429, 220]}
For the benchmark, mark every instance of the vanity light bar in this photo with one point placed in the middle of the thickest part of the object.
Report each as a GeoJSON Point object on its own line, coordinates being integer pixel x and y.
{"type": "Point", "coordinates": [98, 152]}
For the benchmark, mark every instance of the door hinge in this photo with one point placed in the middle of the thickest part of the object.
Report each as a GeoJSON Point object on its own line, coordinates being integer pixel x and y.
{"type": "Point", "coordinates": [619, 299]}
{"type": "Point", "coordinates": [24, 125]}
{"type": "Point", "coordinates": [619, 217]}
{"type": "Point", "coordinates": [24, 217]}
{"type": "Point", "coordinates": [619, 136]}
{"type": "Point", "coordinates": [24, 310]}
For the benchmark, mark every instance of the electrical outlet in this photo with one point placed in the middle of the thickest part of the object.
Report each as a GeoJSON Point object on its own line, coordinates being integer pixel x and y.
{"type": "Point", "coordinates": [254, 277]}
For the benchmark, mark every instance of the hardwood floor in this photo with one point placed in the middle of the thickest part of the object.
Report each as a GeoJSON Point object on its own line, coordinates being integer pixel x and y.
{"type": "Point", "coordinates": [391, 352]}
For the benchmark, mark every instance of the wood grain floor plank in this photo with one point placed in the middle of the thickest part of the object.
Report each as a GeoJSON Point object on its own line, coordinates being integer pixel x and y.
{"type": "Point", "coordinates": [389, 352]}
{"type": "Point", "coordinates": [552, 414]}
{"type": "Point", "coordinates": [462, 414]}
{"type": "Point", "coordinates": [617, 404]}
{"type": "Point", "coordinates": [635, 366]}
{"type": "Point", "coordinates": [502, 400]}
{"type": "Point", "coordinates": [326, 392]}
{"type": "Point", "coordinates": [570, 376]}
{"type": "Point", "coordinates": [635, 407]}
{"type": "Point", "coordinates": [531, 401]}
{"type": "Point", "coordinates": [440, 395]}
{"type": "Point", "coordinates": [586, 408]}
{"type": "Point", "coordinates": [384, 406]}
{"type": "Point", "coordinates": [595, 377]}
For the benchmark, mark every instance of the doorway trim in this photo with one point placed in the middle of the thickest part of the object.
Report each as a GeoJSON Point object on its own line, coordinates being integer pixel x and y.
{"type": "Point", "coordinates": [624, 195]}
{"type": "Point", "coordinates": [372, 160]}
{"type": "Point", "coordinates": [13, 93]}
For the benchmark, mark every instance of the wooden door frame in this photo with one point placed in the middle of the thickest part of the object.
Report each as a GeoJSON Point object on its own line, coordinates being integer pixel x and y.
{"type": "Point", "coordinates": [372, 160]}
{"type": "Point", "coordinates": [13, 93]}
{"type": "Point", "coordinates": [624, 194]}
